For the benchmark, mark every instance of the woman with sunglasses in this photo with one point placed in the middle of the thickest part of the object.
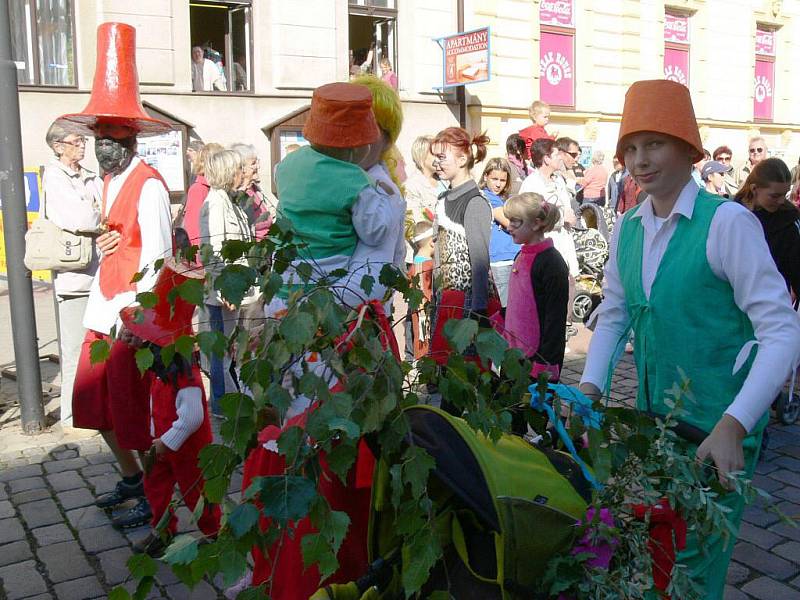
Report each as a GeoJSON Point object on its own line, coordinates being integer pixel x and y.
{"type": "Point", "coordinates": [765, 192]}
{"type": "Point", "coordinates": [724, 155]}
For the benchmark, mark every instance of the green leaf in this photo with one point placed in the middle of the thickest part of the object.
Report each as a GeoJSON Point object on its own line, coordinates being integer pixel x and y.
{"type": "Point", "coordinates": [99, 351]}
{"type": "Point", "coordinates": [286, 497]}
{"type": "Point", "coordinates": [181, 551]}
{"type": "Point", "coordinates": [491, 345]}
{"type": "Point", "coordinates": [341, 459]}
{"type": "Point", "coordinates": [419, 556]}
{"type": "Point", "coordinates": [460, 333]}
{"type": "Point", "coordinates": [212, 343]}
{"type": "Point", "coordinates": [184, 345]}
{"type": "Point", "coordinates": [141, 565]}
{"type": "Point", "coordinates": [317, 550]}
{"type": "Point", "coordinates": [147, 299]}
{"type": "Point", "coordinates": [144, 359]}
{"type": "Point", "coordinates": [367, 283]}
{"type": "Point", "coordinates": [242, 519]}
{"type": "Point", "coordinates": [234, 282]}
{"type": "Point", "coordinates": [271, 287]}
{"type": "Point", "coordinates": [119, 593]}
{"type": "Point", "coordinates": [417, 465]}
{"type": "Point", "coordinates": [350, 428]}
{"type": "Point", "coordinates": [253, 593]}
{"type": "Point", "coordinates": [192, 291]}
{"type": "Point", "coordinates": [298, 329]}
{"type": "Point", "coordinates": [143, 588]}
{"type": "Point", "coordinates": [234, 566]}
{"type": "Point", "coordinates": [290, 443]}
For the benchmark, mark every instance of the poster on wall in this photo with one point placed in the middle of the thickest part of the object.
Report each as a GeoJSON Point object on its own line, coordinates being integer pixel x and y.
{"type": "Point", "coordinates": [33, 194]}
{"type": "Point", "coordinates": [765, 42]}
{"type": "Point", "coordinates": [467, 57]}
{"type": "Point", "coordinates": [764, 89]}
{"type": "Point", "coordinates": [556, 77]}
{"type": "Point", "coordinates": [291, 141]}
{"type": "Point", "coordinates": [558, 13]}
{"type": "Point", "coordinates": [676, 28]}
{"type": "Point", "coordinates": [165, 154]}
{"type": "Point", "coordinates": [676, 65]}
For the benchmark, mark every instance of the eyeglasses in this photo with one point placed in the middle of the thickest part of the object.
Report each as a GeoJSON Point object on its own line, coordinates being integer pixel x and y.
{"type": "Point", "coordinates": [756, 150]}
{"type": "Point", "coordinates": [721, 158]}
{"type": "Point", "coordinates": [573, 154]}
{"type": "Point", "coordinates": [81, 141]}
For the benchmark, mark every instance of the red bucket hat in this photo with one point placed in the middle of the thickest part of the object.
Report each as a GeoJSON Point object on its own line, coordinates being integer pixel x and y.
{"type": "Point", "coordinates": [164, 323]}
{"type": "Point", "coordinates": [115, 91]}
{"type": "Point", "coordinates": [341, 116]}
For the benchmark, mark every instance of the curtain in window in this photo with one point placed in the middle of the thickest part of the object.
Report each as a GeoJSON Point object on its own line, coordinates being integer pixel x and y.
{"type": "Point", "coordinates": [54, 26]}
{"type": "Point", "coordinates": [21, 39]}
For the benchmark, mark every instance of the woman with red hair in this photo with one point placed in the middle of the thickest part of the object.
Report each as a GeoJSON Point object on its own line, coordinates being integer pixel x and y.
{"type": "Point", "coordinates": [463, 224]}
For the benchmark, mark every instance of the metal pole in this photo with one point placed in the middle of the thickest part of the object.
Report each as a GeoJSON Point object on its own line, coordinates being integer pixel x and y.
{"type": "Point", "coordinates": [461, 93]}
{"type": "Point", "coordinates": [15, 224]}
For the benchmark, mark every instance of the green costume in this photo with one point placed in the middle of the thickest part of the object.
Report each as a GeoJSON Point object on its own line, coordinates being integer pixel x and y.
{"type": "Point", "coordinates": [691, 323]}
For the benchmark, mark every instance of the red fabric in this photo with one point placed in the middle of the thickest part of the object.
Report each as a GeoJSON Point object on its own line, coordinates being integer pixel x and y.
{"type": "Point", "coordinates": [531, 134]}
{"type": "Point", "coordinates": [594, 181]}
{"type": "Point", "coordinates": [630, 194]}
{"type": "Point", "coordinates": [117, 270]}
{"type": "Point", "coordinates": [419, 337]}
{"type": "Point", "coordinates": [667, 534]}
{"type": "Point", "coordinates": [261, 224]}
{"type": "Point", "coordinates": [126, 410]}
{"type": "Point", "coordinates": [195, 198]}
{"type": "Point", "coordinates": [451, 306]}
{"type": "Point", "coordinates": [283, 561]}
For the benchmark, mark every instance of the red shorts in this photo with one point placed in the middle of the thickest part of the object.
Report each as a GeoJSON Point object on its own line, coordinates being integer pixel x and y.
{"type": "Point", "coordinates": [112, 394]}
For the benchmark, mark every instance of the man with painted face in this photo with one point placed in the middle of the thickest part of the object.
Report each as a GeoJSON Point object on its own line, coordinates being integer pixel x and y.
{"type": "Point", "coordinates": [111, 396]}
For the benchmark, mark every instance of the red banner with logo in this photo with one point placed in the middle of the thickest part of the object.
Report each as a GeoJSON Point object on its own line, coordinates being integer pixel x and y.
{"type": "Point", "coordinates": [764, 89]}
{"type": "Point", "coordinates": [676, 29]}
{"type": "Point", "coordinates": [556, 68]}
{"type": "Point", "coordinates": [765, 42]}
{"type": "Point", "coordinates": [559, 13]}
{"type": "Point", "coordinates": [676, 65]}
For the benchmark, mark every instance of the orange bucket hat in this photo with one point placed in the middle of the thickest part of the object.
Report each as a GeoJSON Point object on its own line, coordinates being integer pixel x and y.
{"type": "Point", "coordinates": [341, 117]}
{"type": "Point", "coordinates": [661, 106]}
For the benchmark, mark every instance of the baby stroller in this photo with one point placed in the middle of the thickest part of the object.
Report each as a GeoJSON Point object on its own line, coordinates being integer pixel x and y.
{"type": "Point", "coordinates": [591, 245]}
{"type": "Point", "coordinates": [502, 510]}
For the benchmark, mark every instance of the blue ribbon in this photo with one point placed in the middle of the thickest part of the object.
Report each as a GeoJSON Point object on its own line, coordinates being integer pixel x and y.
{"type": "Point", "coordinates": [581, 406]}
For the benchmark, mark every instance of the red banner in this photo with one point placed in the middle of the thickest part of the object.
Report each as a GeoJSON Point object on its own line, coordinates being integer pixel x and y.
{"type": "Point", "coordinates": [765, 42]}
{"type": "Point", "coordinates": [466, 57]}
{"type": "Point", "coordinates": [556, 69]}
{"type": "Point", "coordinates": [560, 13]}
{"type": "Point", "coordinates": [676, 29]}
{"type": "Point", "coordinates": [764, 89]}
{"type": "Point", "coordinates": [676, 65]}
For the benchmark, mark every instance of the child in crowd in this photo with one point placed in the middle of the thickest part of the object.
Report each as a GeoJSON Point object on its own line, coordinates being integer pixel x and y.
{"type": "Point", "coordinates": [517, 157]}
{"type": "Point", "coordinates": [538, 290]}
{"type": "Point", "coordinates": [179, 421]}
{"type": "Point", "coordinates": [539, 113]}
{"type": "Point", "coordinates": [423, 243]}
{"type": "Point", "coordinates": [495, 185]}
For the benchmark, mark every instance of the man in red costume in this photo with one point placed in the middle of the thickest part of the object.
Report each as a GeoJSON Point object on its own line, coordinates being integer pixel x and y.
{"type": "Point", "coordinates": [111, 396]}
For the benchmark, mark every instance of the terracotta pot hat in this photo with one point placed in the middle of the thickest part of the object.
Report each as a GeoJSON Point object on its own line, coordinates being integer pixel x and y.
{"type": "Point", "coordinates": [661, 106]}
{"type": "Point", "coordinates": [115, 91]}
{"type": "Point", "coordinates": [164, 323]}
{"type": "Point", "coordinates": [341, 116]}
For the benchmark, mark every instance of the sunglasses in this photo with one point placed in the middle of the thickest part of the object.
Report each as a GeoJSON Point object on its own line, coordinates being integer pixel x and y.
{"type": "Point", "coordinates": [573, 154]}
{"type": "Point", "coordinates": [756, 150]}
{"type": "Point", "coordinates": [723, 158]}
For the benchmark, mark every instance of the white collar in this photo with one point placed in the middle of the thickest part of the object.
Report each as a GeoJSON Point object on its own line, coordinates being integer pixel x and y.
{"type": "Point", "coordinates": [684, 206]}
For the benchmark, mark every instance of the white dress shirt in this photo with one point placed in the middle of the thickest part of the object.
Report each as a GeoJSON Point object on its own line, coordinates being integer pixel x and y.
{"type": "Point", "coordinates": [737, 253]}
{"type": "Point", "coordinates": [155, 223]}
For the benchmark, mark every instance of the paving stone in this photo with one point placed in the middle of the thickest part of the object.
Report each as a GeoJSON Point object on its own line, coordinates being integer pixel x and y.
{"type": "Point", "coordinates": [788, 492]}
{"type": "Point", "coordinates": [20, 473]}
{"type": "Point", "coordinates": [98, 539]}
{"type": "Point", "coordinates": [767, 484]}
{"type": "Point", "coordinates": [11, 531]}
{"type": "Point", "coordinates": [27, 483]}
{"type": "Point", "coordinates": [787, 462]}
{"type": "Point", "coordinates": [201, 591]}
{"type": "Point", "coordinates": [765, 588]}
{"type": "Point", "coordinates": [786, 530]}
{"type": "Point", "coordinates": [731, 593]}
{"type": "Point", "coordinates": [30, 496]}
{"type": "Point", "coordinates": [764, 562]}
{"type": "Point", "coordinates": [68, 480]}
{"type": "Point", "coordinates": [22, 580]}
{"type": "Point", "coordinates": [791, 450]}
{"type": "Point", "coordinates": [165, 576]}
{"type": "Point", "coordinates": [59, 466]}
{"type": "Point", "coordinates": [75, 498]}
{"type": "Point", "coordinates": [113, 565]}
{"type": "Point", "coordinates": [103, 484]}
{"type": "Point", "coordinates": [3, 492]}
{"type": "Point", "coordinates": [762, 468]}
{"type": "Point", "coordinates": [79, 589]}
{"type": "Point", "coordinates": [102, 457]}
{"type": "Point", "coordinates": [789, 551]}
{"type": "Point", "coordinates": [786, 476]}
{"type": "Point", "coordinates": [6, 509]}
{"type": "Point", "coordinates": [64, 561]}
{"type": "Point", "coordinates": [15, 552]}
{"type": "Point", "coordinates": [737, 573]}
{"type": "Point", "coordinates": [52, 534]}
{"type": "Point", "coordinates": [153, 594]}
{"type": "Point", "coordinates": [759, 517]}
{"type": "Point", "coordinates": [100, 469]}
{"type": "Point", "coordinates": [87, 516]}
{"type": "Point", "coordinates": [41, 597]}
{"type": "Point", "coordinates": [65, 453]}
{"type": "Point", "coordinates": [41, 513]}
{"type": "Point", "coordinates": [760, 537]}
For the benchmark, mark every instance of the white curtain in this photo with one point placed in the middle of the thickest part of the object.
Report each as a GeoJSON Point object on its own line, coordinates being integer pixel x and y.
{"type": "Point", "coordinates": [56, 48]}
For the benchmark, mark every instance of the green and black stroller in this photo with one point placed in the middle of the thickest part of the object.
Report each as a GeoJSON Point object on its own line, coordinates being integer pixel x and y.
{"type": "Point", "coordinates": [502, 510]}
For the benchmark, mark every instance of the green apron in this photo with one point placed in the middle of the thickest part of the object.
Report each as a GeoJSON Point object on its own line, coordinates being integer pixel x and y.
{"type": "Point", "coordinates": [690, 323]}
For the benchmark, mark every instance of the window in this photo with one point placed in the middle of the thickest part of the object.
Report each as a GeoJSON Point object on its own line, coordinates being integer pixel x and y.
{"type": "Point", "coordinates": [373, 38]}
{"type": "Point", "coordinates": [676, 48]}
{"type": "Point", "coordinates": [42, 35]}
{"type": "Point", "coordinates": [764, 90]}
{"type": "Point", "coordinates": [222, 54]}
{"type": "Point", "coordinates": [557, 52]}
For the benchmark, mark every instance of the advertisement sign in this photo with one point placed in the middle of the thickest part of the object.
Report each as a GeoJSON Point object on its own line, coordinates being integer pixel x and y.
{"type": "Point", "coordinates": [466, 57]}
{"type": "Point", "coordinates": [33, 193]}
{"type": "Point", "coordinates": [676, 65]}
{"type": "Point", "coordinates": [560, 13]}
{"type": "Point", "coordinates": [165, 154]}
{"type": "Point", "coordinates": [765, 42]}
{"type": "Point", "coordinates": [556, 76]}
{"type": "Point", "coordinates": [676, 29]}
{"type": "Point", "coordinates": [764, 87]}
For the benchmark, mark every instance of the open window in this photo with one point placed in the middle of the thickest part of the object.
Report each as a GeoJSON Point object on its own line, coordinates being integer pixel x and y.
{"type": "Point", "coordinates": [373, 37]}
{"type": "Point", "coordinates": [222, 29]}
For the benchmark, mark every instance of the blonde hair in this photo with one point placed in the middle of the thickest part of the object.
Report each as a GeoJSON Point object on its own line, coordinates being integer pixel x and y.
{"type": "Point", "coordinates": [537, 107]}
{"type": "Point", "coordinates": [220, 169]}
{"type": "Point", "coordinates": [420, 148]}
{"type": "Point", "coordinates": [498, 164]}
{"type": "Point", "coordinates": [199, 162]}
{"type": "Point", "coordinates": [529, 206]}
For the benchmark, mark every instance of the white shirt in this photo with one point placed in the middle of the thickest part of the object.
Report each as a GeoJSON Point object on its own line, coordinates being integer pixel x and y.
{"type": "Point", "coordinates": [72, 201]}
{"type": "Point", "coordinates": [189, 406]}
{"type": "Point", "coordinates": [155, 223]}
{"type": "Point", "coordinates": [737, 253]}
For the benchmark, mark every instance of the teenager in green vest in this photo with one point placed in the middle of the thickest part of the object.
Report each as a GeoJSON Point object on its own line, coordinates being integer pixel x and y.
{"type": "Point", "coordinates": [691, 275]}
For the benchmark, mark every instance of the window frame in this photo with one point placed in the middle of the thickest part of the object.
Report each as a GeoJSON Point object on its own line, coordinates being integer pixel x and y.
{"type": "Point", "coordinates": [35, 58]}
{"type": "Point", "coordinates": [369, 10]}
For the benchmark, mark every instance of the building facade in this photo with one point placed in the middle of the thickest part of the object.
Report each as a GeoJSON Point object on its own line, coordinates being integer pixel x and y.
{"type": "Point", "coordinates": [736, 56]}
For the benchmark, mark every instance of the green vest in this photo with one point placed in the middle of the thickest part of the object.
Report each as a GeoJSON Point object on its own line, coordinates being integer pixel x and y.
{"type": "Point", "coordinates": [690, 324]}
{"type": "Point", "coordinates": [316, 193]}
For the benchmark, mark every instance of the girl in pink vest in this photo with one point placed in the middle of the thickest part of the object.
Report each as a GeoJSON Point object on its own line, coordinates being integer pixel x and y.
{"type": "Point", "coordinates": [538, 288]}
